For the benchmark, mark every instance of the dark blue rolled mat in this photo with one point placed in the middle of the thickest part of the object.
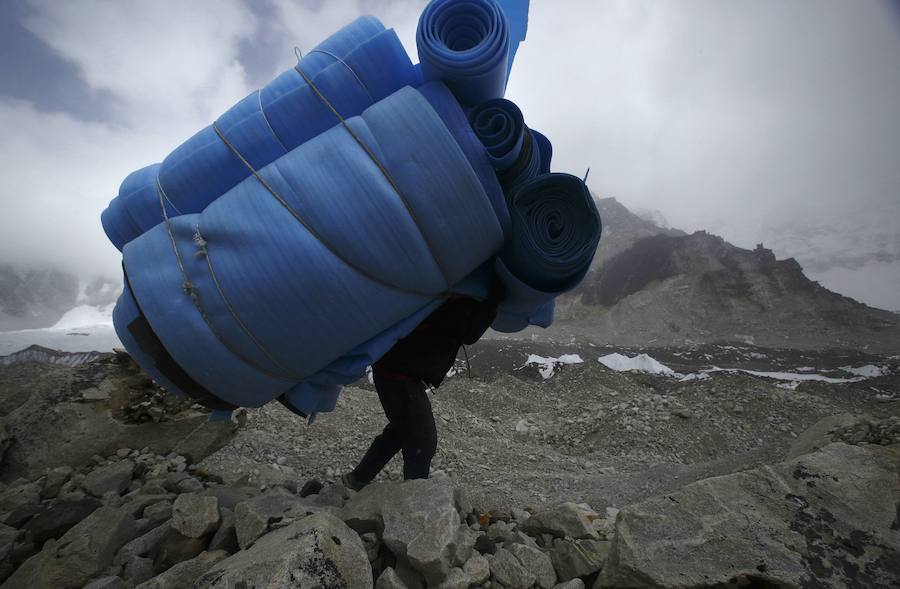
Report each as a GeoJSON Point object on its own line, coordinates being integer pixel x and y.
{"type": "Point", "coordinates": [516, 152]}
{"type": "Point", "coordinates": [555, 232]}
{"type": "Point", "coordinates": [355, 67]}
{"type": "Point", "coordinates": [266, 302]}
{"type": "Point", "coordinates": [466, 45]}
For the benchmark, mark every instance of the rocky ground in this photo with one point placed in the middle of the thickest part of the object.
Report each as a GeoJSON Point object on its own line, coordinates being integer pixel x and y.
{"type": "Point", "coordinates": [590, 477]}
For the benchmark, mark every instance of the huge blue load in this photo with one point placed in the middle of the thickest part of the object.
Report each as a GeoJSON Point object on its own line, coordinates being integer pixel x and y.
{"type": "Point", "coordinates": [288, 245]}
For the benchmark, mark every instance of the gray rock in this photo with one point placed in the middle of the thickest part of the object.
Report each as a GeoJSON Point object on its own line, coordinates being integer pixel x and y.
{"type": "Point", "coordinates": [372, 544]}
{"type": "Point", "coordinates": [319, 550]}
{"type": "Point", "coordinates": [195, 516]}
{"type": "Point", "coordinates": [57, 518]}
{"type": "Point", "coordinates": [520, 537]}
{"type": "Point", "coordinates": [485, 545]}
{"type": "Point", "coordinates": [8, 538]}
{"type": "Point", "coordinates": [184, 574]}
{"type": "Point", "coordinates": [331, 496]}
{"type": "Point", "coordinates": [573, 584]}
{"type": "Point", "coordinates": [537, 563]}
{"type": "Point", "coordinates": [56, 478]}
{"type": "Point", "coordinates": [159, 512]}
{"type": "Point", "coordinates": [362, 511]}
{"type": "Point", "coordinates": [228, 496]}
{"type": "Point", "coordinates": [190, 485]}
{"type": "Point", "coordinates": [138, 570]}
{"type": "Point", "coordinates": [225, 537]}
{"type": "Point", "coordinates": [478, 569]}
{"type": "Point", "coordinates": [507, 570]}
{"type": "Point", "coordinates": [455, 579]}
{"type": "Point", "coordinates": [826, 519]}
{"type": "Point", "coordinates": [110, 478]}
{"type": "Point", "coordinates": [176, 547]}
{"type": "Point", "coordinates": [463, 545]}
{"type": "Point", "coordinates": [500, 532]}
{"type": "Point", "coordinates": [174, 479]}
{"type": "Point", "coordinates": [107, 582]}
{"type": "Point", "coordinates": [144, 545]}
{"type": "Point", "coordinates": [138, 501]}
{"type": "Point", "coordinates": [420, 524]}
{"type": "Point", "coordinates": [81, 554]}
{"type": "Point", "coordinates": [432, 550]}
{"type": "Point", "coordinates": [849, 429]}
{"type": "Point", "coordinates": [19, 503]}
{"type": "Point", "coordinates": [254, 516]}
{"type": "Point", "coordinates": [567, 519]}
{"type": "Point", "coordinates": [389, 579]}
{"type": "Point", "coordinates": [578, 558]}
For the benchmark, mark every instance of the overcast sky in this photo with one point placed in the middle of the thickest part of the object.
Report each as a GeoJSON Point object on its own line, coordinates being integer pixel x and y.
{"type": "Point", "coordinates": [764, 121]}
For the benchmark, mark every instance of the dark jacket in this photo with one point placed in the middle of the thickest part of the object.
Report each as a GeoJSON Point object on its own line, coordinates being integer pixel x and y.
{"type": "Point", "coordinates": [430, 350]}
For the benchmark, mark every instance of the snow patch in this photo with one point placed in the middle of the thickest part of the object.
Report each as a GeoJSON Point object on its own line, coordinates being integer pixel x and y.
{"type": "Point", "coordinates": [548, 366]}
{"type": "Point", "coordinates": [639, 363]}
{"type": "Point", "coordinates": [85, 316]}
{"type": "Point", "coordinates": [791, 377]}
{"type": "Point", "coordinates": [868, 371]}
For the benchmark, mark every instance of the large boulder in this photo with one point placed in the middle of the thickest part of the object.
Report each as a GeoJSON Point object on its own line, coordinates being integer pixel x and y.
{"type": "Point", "coordinates": [418, 521]}
{"type": "Point", "coordinates": [421, 525]}
{"type": "Point", "coordinates": [317, 551]}
{"type": "Point", "coordinates": [58, 517]}
{"type": "Point", "coordinates": [255, 516]}
{"type": "Point", "coordinates": [183, 574]}
{"type": "Point", "coordinates": [58, 424]}
{"type": "Point", "coordinates": [847, 428]}
{"type": "Point", "coordinates": [827, 519]}
{"type": "Point", "coordinates": [81, 554]}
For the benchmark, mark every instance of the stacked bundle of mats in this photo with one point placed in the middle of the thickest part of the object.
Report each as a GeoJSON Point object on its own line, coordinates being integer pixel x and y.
{"type": "Point", "coordinates": [285, 247]}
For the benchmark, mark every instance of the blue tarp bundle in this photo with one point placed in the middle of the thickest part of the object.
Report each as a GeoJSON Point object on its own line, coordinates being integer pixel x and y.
{"type": "Point", "coordinates": [323, 217]}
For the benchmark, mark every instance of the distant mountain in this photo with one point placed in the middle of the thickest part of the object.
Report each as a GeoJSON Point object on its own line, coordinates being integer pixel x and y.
{"type": "Point", "coordinates": [36, 353]}
{"type": "Point", "coordinates": [651, 285]}
{"type": "Point", "coordinates": [38, 297]}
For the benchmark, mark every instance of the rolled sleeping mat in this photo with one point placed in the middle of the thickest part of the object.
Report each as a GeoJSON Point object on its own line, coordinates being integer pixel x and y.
{"type": "Point", "coordinates": [319, 392]}
{"type": "Point", "coordinates": [516, 152]}
{"type": "Point", "coordinates": [555, 232]}
{"type": "Point", "coordinates": [355, 67]}
{"type": "Point", "coordinates": [466, 45]}
{"type": "Point", "coordinates": [266, 291]}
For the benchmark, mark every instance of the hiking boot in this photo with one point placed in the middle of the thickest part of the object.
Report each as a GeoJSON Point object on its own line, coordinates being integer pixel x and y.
{"type": "Point", "coordinates": [350, 481]}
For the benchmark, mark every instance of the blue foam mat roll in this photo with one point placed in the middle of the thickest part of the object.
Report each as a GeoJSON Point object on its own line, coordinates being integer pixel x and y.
{"type": "Point", "coordinates": [466, 45]}
{"type": "Point", "coordinates": [357, 66]}
{"type": "Point", "coordinates": [555, 232]}
{"type": "Point", "coordinates": [261, 273]}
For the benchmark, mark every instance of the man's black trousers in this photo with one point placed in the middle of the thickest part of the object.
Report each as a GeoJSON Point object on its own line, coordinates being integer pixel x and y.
{"type": "Point", "coordinates": [410, 430]}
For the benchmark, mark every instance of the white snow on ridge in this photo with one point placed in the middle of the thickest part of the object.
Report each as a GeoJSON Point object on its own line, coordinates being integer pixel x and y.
{"type": "Point", "coordinates": [868, 371]}
{"type": "Point", "coordinates": [639, 363]}
{"type": "Point", "coordinates": [548, 366]}
{"type": "Point", "coordinates": [648, 364]}
{"type": "Point", "coordinates": [787, 376]}
{"type": "Point", "coordinates": [85, 316]}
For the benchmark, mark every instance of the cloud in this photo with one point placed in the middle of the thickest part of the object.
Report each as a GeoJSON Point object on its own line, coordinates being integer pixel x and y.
{"type": "Point", "coordinates": [742, 118]}
{"type": "Point", "coordinates": [719, 113]}
{"type": "Point", "coordinates": [169, 68]}
{"type": "Point", "coordinates": [159, 59]}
